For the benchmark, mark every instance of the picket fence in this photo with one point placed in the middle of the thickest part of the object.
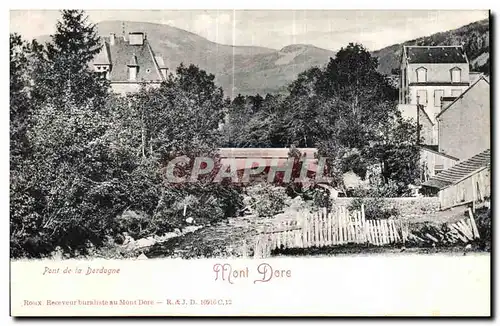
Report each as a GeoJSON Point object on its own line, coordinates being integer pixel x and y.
{"type": "Point", "coordinates": [330, 228]}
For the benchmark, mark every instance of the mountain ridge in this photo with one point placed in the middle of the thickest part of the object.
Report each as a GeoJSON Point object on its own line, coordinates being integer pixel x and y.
{"type": "Point", "coordinates": [250, 70]}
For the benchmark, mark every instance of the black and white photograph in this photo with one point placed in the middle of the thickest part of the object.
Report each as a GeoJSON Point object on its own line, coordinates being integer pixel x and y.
{"type": "Point", "coordinates": [218, 136]}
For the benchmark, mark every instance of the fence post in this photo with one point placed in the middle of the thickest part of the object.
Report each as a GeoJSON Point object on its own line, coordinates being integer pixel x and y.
{"type": "Point", "coordinates": [473, 224]}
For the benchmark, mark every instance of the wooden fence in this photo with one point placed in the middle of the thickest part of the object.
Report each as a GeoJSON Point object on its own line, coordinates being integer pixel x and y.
{"type": "Point", "coordinates": [325, 228]}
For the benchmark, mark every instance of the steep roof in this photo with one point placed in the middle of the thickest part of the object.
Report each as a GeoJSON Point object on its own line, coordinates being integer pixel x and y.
{"type": "Point", "coordinates": [435, 54]}
{"type": "Point", "coordinates": [462, 95]}
{"type": "Point", "coordinates": [160, 62]}
{"type": "Point", "coordinates": [121, 55]}
{"type": "Point", "coordinates": [133, 61]}
{"type": "Point", "coordinates": [457, 172]}
{"type": "Point", "coordinates": [102, 58]}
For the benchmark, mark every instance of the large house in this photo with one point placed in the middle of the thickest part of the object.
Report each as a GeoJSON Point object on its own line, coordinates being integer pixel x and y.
{"type": "Point", "coordinates": [128, 62]}
{"type": "Point", "coordinates": [429, 74]}
{"type": "Point", "coordinates": [450, 104]}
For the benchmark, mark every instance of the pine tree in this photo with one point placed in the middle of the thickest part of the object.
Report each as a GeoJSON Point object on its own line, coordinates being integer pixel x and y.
{"type": "Point", "coordinates": [75, 39]}
{"type": "Point", "coordinates": [62, 72]}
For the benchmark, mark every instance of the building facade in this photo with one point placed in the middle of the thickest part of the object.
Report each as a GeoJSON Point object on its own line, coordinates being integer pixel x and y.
{"type": "Point", "coordinates": [429, 73]}
{"type": "Point", "coordinates": [129, 61]}
{"type": "Point", "coordinates": [464, 124]}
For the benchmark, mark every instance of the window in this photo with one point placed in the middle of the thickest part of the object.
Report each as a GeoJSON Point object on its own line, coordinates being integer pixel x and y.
{"type": "Point", "coordinates": [438, 168]}
{"type": "Point", "coordinates": [102, 74]}
{"type": "Point", "coordinates": [438, 95]}
{"type": "Point", "coordinates": [422, 97]}
{"type": "Point", "coordinates": [456, 92]}
{"type": "Point", "coordinates": [421, 75]}
{"type": "Point", "coordinates": [132, 73]}
{"type": "Point", "coordinates": [456, 75]}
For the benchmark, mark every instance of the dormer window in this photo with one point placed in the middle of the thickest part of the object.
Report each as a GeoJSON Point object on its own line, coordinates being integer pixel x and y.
{"type": "Point", "coordinates": [421, 75]}
{"type": "Point", "coordinates": [133, 68]}
{"type": "Point", "coordinates": [456, 75]}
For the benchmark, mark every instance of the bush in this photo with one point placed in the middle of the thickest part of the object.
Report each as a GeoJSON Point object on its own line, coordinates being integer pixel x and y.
{"type": "Point", "coordinates": [483, 223]}
{"type": "Point", "coordinates": [267, 200]}
{"type": "Point", "coordinates": [376, 208]}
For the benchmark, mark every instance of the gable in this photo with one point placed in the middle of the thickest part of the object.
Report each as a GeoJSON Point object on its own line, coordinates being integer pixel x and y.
{"type": "Point", "coordinates": [479, 92]}
{"type": "Point", "coordinates": [122, 54]}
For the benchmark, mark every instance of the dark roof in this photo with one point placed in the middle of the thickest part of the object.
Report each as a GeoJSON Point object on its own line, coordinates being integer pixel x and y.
{"type": "Point", "coordinates": [435, 54]}
{"type": "Point", "coordinates": [122, 55]}
{"type": "Point", "coordinates": [459, 171]}
{"type": "Point", "coordinates": [461, 95]}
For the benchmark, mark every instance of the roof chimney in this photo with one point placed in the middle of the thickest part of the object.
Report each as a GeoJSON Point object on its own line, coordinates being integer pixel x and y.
{"type": "Point", "coordinates": [136, 38]}
{"type": "Point", "coordinates": [111, 38]}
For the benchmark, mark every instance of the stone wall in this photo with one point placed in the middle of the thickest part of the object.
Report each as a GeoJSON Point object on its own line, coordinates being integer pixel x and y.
{"type": "Point", "coordinates": [408, 207]}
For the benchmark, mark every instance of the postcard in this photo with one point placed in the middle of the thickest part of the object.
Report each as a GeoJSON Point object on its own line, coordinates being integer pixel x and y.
{"type": "Point", "coordinates": [250, 163]}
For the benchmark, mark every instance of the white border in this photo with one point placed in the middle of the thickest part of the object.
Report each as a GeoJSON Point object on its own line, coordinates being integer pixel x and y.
{"type": "Point", "coordinates": [186, 4]}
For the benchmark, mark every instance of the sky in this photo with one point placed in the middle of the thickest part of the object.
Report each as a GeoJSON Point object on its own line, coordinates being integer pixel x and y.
{"type": "Point", "coordinates": [329, 29]}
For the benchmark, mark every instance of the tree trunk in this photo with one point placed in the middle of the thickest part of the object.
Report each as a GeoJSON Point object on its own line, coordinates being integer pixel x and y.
{"type": "Point", "coordinates": [143, 135]}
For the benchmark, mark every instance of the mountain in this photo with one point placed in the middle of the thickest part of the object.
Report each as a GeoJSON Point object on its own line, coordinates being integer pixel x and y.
{"type": "Point", "coordinates": [474, 37]}
{"type": "Point", "coordinates": [251, 69]}
{"type": "Point", "coordinates": [254, 69]}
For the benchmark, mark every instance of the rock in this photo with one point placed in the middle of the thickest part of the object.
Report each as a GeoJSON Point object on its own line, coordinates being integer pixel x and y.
{"type": "Point", "coordinates": [191, 228]}
{"type": "Point", "coordinates": [145, 242]}
{"type": "Point", "coordinates": [468, 247]}
{"type": "Point", "coordinates": [128, 239]}
{"type": "Point", "coordinates": [142, 256]}
{"type": "Point", "coordinates": [190, 220]}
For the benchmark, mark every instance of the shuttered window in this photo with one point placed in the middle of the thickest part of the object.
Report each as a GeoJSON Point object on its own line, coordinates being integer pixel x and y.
{"type": "Point", "coordinates": [438, 95]}
{"type": "Point", "coordinates": [456, 75]}
{"type": "Point", "coordinates": [421, 75]}
{"type": "Point", "coordinates": [422, 96]}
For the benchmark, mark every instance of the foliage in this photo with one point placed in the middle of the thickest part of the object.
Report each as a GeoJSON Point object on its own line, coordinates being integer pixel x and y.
{"type": "Point", "coordinates": [267, 200]}
{"type": "Point", "coordinates": [61, 69]}
{"type": "Point", "coordinates": [88, 165]}
{"type": "Point", "coordinates": [483, 223]}
{"type": "Point", "coordinates": [347, 110]}
{"type": "Point", "coordinates": [376, 208]}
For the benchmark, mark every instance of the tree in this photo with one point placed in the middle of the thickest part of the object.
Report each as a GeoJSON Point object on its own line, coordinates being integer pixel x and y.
{"type": "Point", "coordinates": [20, 107]}
{"type": "Point", "coordinates": [253, 122]}
{"type": "Point", "coordinates": [183, 115]}
{"type": "Point", "coordinates": [63, 68]}
{"type": "Point", "coordinates": [67, 189]}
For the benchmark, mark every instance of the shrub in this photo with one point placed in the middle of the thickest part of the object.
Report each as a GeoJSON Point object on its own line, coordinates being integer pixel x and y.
{"type": "Point", "coordinates": [483, 223]}
{"type": "Point", "coordinates": [267, 200]}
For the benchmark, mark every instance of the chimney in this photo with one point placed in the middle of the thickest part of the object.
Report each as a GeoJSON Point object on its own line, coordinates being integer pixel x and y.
{"type": "Point", "coordinates": [111, 38]}
{"type": "Point", "coordinates": [136, 38]}
{"type": "Point", "coordinates": [446, 100]}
